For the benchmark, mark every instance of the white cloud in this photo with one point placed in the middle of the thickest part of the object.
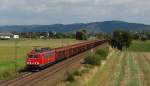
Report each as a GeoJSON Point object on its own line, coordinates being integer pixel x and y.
{"type": "Point", "coordinates": [69, 11]}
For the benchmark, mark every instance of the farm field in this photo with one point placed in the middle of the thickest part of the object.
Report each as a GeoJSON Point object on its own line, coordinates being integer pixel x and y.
{"type": "Point", "coordinates": [123, 69]}
{"type": "Point", "coordinates": [139, 46]}
{"type": "Point", "coordinates": [127, 68]}
{"type": "Point", "coordinates": [7, 55]}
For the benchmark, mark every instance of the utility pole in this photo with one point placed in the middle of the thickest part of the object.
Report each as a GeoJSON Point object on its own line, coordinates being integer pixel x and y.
{"type": "Point", "coordinates": [15, 53]}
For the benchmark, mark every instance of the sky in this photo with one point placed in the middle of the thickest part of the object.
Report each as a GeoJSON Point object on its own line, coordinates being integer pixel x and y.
{"type": "Point", "coordinates": [45, 12]}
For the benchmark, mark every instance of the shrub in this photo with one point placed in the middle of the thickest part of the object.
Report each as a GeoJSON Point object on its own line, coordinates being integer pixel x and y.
{"type": "Point", "coordinates": [93, 59]}
{"type": "Point", "coordinates": [143, 39]}
{"type": "Point", "coordinates": [72, 74]}
{"type": "Point", "coordinates": [88, 66]}
{"type": "Point", "coordinates": [77, 73]}
{"type": "Point", "coordinates": [84, 71]}
{"type": "Point", "coordinates": [4, 39]}
{"type": "Point", "coordinates": [103, 52]}
{"type": "Point", "coordinates": [70, 77]}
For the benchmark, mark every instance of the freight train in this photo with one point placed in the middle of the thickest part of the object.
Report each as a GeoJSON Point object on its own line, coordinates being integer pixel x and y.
{"type": "Point", "coordinates": [39, 58]}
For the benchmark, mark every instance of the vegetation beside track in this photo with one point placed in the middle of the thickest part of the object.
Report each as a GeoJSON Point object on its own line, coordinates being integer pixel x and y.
{"type": "Point", "coordinates": [97, 57]}
{"type": "Point", "coordinates": [120, 69]}
{"type": "Point", "coordinates": [8, 55]}
{"type": "Point", "coordinates": [127, 68]}
{"type": "Point", "coordinates": [91, 62]}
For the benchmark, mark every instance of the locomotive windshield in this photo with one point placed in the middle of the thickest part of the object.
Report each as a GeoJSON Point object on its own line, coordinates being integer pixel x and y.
{"type": "Point", "coordinates": [32, 56]}
{"type": "Point", "coordinates": [42, 49]}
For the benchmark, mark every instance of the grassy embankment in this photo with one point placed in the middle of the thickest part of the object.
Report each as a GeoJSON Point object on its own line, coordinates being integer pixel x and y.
{"type": "Point", "coordinates": [128, 68]}
{"type": "Point", "coordinates": [7, 53]}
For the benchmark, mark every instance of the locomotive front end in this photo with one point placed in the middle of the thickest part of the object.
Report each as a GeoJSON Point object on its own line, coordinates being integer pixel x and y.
{"type": "Point", "coordinates": [33, 61]}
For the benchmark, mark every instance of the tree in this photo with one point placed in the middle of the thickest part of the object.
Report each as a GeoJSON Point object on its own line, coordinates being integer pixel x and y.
{"type": "Point", "coordinates": [121, 39]}
{"type": "Point", "coordinates": [144, 38]}
{"type": "Point", "coordinates": [81, 35]}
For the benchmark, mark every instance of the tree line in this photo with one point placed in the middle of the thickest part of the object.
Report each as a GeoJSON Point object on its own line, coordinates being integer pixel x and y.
{"type": "Point", "coordinates": [118, 39]}
{"type": "Point", "coordinates": [44, 35]}
{"type": "Point", "coordinates": [81, 34]}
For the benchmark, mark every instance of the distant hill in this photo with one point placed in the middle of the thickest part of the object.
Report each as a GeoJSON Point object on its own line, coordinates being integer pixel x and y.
{"type": "Point", "coordinates": [106, 26]}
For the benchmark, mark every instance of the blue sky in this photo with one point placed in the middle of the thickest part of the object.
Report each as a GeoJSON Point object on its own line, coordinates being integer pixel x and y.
{"type": "Point", "coordinates": [28, 12]}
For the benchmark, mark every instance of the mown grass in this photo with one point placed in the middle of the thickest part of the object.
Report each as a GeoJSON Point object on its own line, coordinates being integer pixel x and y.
{"type": "Point", "coordinates": [145, 68]}
{"type": "Point", "coordinates": [101, 76]}
{"type": "Point", "coordinates": [139, 46]}
{"type": "Point", "coordinates": [7, 53]}
{"type": "Point", "coordinates": [133, 72]}
{"type": "Point", "coordinates": [119, 71]}
{"type": "Point", "coordinates": [106, 76]}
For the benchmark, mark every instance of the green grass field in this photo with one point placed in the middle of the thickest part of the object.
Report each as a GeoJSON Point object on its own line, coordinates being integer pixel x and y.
{"type": "Point", "coordinates": [7, 53]}
{"type": "Point", "coordinates": [139, 46]}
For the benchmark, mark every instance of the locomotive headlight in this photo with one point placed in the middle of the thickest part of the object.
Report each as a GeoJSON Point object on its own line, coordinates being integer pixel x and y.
{"type": "Point", "coordinates": [36, 63]}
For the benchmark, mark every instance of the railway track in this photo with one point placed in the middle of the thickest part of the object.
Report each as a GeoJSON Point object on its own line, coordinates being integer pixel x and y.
{"type": "Point", "coordinates": [25, 74]}
{"type": "Point", "coordinates": [31, 79]}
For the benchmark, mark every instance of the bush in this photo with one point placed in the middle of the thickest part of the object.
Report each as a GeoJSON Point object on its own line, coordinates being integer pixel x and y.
{"type": "Point", "coordinates": [103, 52]}
{"type": "Point", "coordinates": [88, 66]}
{"type": "Point", "coordinates": [71, 77]}
{"type": "Point", "coordinates": [93, 59]}
{"type": "Point", "coordinates": [4, 39]}
{"type": "Point", "coordinates": [77, 73]}
{"type": "Point", "coordinates": [143, 39]}
{"type": "Point", "coordinates": [84, 71]}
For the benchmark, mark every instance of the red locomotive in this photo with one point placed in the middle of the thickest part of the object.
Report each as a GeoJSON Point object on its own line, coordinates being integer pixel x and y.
{"type": "Point", "coordinates": [40, 58]}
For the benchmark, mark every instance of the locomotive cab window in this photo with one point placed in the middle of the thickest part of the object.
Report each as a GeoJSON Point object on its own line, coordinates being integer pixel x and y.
{"type": "Point", "coordinates": [33, 56]}
{"type": "Point", "coordinates": [47, 55]}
